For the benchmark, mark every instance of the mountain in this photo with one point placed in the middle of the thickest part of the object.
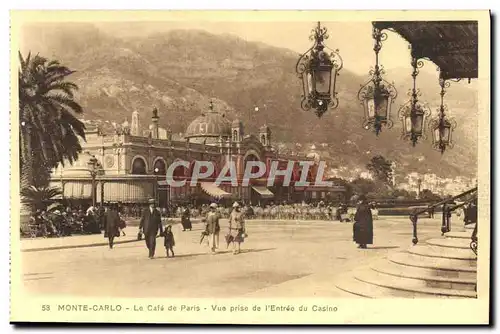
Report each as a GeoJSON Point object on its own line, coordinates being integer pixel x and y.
{"type": "Point", "coordinates": [181, 70]}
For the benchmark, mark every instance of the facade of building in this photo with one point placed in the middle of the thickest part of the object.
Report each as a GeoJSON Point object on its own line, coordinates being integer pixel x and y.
{"type": "Point", "coordinates": [132, 168]}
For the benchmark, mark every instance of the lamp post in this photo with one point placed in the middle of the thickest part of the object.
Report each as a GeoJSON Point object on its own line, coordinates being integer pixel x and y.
{"type": "Point", "coordinates": [318, 72]}
{"type": "Point", "coordinates": [156, 185]}
{"type": "Point", "coordinates": [377, 95]}
{"type": "Point", "coordinates": [413, 114]}
{"type": "Point", "coordinates": [93, 169]}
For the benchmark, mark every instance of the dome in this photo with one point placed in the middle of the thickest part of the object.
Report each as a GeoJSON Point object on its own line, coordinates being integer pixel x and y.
{"type": "Point", "coordinates": [209, 124]}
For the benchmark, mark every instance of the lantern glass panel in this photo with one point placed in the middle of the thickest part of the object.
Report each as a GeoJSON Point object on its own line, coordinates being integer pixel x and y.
{"type": "Point", "coordinates": [407, 124]}
{"type": "Point", "coordinates": [445, 134]}
{"type": "Point", "coordinates": [309, 83]}
{"type": "Point", "coordinates": [370, 107]}
{"type": "Point", "coordinates": [381, 105]}
{"type": "Point", "coordinates": [417, 122]}
{"type": "Point", "coordinates": [437, 134]}
{"type": "Point", "coordinates": [322, 78]}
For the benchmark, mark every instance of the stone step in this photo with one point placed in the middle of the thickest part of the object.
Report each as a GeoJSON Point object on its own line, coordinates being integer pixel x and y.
{"type": "Point", "coordinates": [450, 243]}
{"type": "Point", "coordinates": [353, 288]}
{"type": "Point", "coordinates": [445, 267]}
{"type": "Point", "coordinates": [470, 227]}
{"type": "Point", "coordinates": [443, 252]}
{"type": "Point", "coordinates": [430, 280]}
{"type": "Point", "coordinates": [408, 287]}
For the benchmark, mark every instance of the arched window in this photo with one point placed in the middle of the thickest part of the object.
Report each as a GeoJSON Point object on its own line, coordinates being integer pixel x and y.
{"type": "Point", "coordinates": [235, 135]}
{"type": "Point", "coordinates": [160, 168]}
{"type": "Point", "coordinates": [263, 139]}
{"type": "Point", "coordinates": [139, 166]}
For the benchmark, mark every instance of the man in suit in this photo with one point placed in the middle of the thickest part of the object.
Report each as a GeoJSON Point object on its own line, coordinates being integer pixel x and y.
{"type": "Point", "coordinates": [150, 225]}
{"type": "Point", "coordinates": [111, 222]}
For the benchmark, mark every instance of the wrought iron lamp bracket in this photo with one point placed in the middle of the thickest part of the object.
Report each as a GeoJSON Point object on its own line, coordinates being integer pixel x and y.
{"type": "Point", "coordinates": [376, 88]}
{"type": "Point", "coordinates": [442, 120]}
{"type": "Point", "coordinates": [414, 108]}
{"type": "Point", "coordinates": [312, 57]}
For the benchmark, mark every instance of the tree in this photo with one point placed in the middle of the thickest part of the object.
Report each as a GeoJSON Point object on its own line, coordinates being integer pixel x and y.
{"type": "Point", "coordinates": [49, 130]}
{"type": "Point", "coordinates": [337, 181]}
{"type": "Point", "coordinates": [39, 198]}
{"type": "Point", "coordinates": [404, 193]}
{"type": "Point", "coordinates": [428, 195]}
{"type": "Point", "coordinates": [363, 186]}
{"type": "Point", "coordinates": [381, 169]}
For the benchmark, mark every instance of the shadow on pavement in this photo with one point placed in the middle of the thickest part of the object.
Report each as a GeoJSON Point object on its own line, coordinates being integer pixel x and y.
{"type": "Point", "coordinates": [221, 252]}
{"type": "Point", "coordinates": [188, 255]}
{"type": "Point", "coordinates": [251, 250]}
{"type": "Point", "coordinates": [383, 247]}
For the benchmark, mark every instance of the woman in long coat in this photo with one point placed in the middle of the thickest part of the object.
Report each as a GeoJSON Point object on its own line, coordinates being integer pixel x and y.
{"type": "Point", "coordinates": [363, 224]}
{"type": "Point", "coordinates": [237, 231]}
{"type": "Point", "coordinates": [186, 220]}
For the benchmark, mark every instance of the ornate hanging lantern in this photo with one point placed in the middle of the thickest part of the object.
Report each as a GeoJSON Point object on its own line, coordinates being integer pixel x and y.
{"type": "Point", "coordinates": [413, 114]}
{"type": "Point", "coordinates": [442, 126]}
{"type": "Point", "coordinates": [318, 71]}
{"type": "Point", "coordinates": [377, 95]}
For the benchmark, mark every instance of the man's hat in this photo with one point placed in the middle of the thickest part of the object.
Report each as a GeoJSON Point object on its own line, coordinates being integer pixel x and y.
{"type": "Point", "coordinates": [151, 201]}
{"type": "Point", "coordinates": [236, 205]}
{"type": "Point", "coordinates": [213, 205]}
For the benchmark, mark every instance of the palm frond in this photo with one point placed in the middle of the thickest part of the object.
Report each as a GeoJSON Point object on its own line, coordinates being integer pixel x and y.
{"type": "Point", "coordinates": [47, 106]}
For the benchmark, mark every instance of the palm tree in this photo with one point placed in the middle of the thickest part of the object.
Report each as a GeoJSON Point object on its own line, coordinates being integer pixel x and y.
{"type": "Point", "coordinates": [49, 129]}
{"type": "Point", "coordinates": [39, 198]}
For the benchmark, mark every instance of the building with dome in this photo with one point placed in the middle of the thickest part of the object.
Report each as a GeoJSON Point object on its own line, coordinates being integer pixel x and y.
{"type": "Point", "coordinates": [132, 168]}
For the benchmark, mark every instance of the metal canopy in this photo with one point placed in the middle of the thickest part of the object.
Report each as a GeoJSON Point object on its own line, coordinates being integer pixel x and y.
{"type": "Point", "coordinates": [451, 45]}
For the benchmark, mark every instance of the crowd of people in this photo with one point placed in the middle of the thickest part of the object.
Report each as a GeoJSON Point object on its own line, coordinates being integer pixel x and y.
{"type": "Point", "coordinates": [151, 227]}
{"type": "Point", "coordinates": [67, 221]}
{"type": "Point", "coordinates": [70, 220]}
{"type": "Point", "coordinates": [294, 211]}
{"type": "Point", "coordinates": [58, 223]}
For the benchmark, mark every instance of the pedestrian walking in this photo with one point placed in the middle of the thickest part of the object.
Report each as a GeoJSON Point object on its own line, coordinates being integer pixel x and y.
{"type": "Point", "coordinates": [122, 226]}
{"type": "Point", "coordinates": [111, 223]}
{"type": "Point", "coordinates": [212, 228]}
{"type": "Point", "coordinates": [169, 240]}
{"type": "Point", "coordinates": [186, 220]}
{"type": "Point", "coordinates": [237, 231]}
{"type": "Point", "coordinates": [363, 224]}
{"type": "Point", "coordinates": [150, 225]}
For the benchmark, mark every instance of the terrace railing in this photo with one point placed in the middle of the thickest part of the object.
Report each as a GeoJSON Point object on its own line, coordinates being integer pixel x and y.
{"type": "Point", "coordinates": [446, 204]}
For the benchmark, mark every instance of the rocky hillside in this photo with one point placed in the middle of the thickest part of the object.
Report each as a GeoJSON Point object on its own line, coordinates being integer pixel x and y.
{"type": "Point", "coordinates": [179, 72]}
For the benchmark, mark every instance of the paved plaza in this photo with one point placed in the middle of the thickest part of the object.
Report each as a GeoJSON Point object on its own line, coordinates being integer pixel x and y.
{"type": "Point", "coordinates": [279, 259]}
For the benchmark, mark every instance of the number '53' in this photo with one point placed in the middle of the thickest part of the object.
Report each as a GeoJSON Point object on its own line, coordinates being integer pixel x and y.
{"type": "Point", "coordinates": [45, 307]}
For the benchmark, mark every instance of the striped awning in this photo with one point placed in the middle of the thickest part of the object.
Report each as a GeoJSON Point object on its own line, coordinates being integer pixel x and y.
{"type": "Point", "coordinates": [74, 189]}
{"type": "Point", "coordinates": [263, 192]}
{"type": "Point", "coordinates": [213, 190]}
{"type": "Point", "coordinates": [126, 191]}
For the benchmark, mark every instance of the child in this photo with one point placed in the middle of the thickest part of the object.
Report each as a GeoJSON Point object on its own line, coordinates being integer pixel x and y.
{"type": "Point", "coordinates": [169, 240]}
